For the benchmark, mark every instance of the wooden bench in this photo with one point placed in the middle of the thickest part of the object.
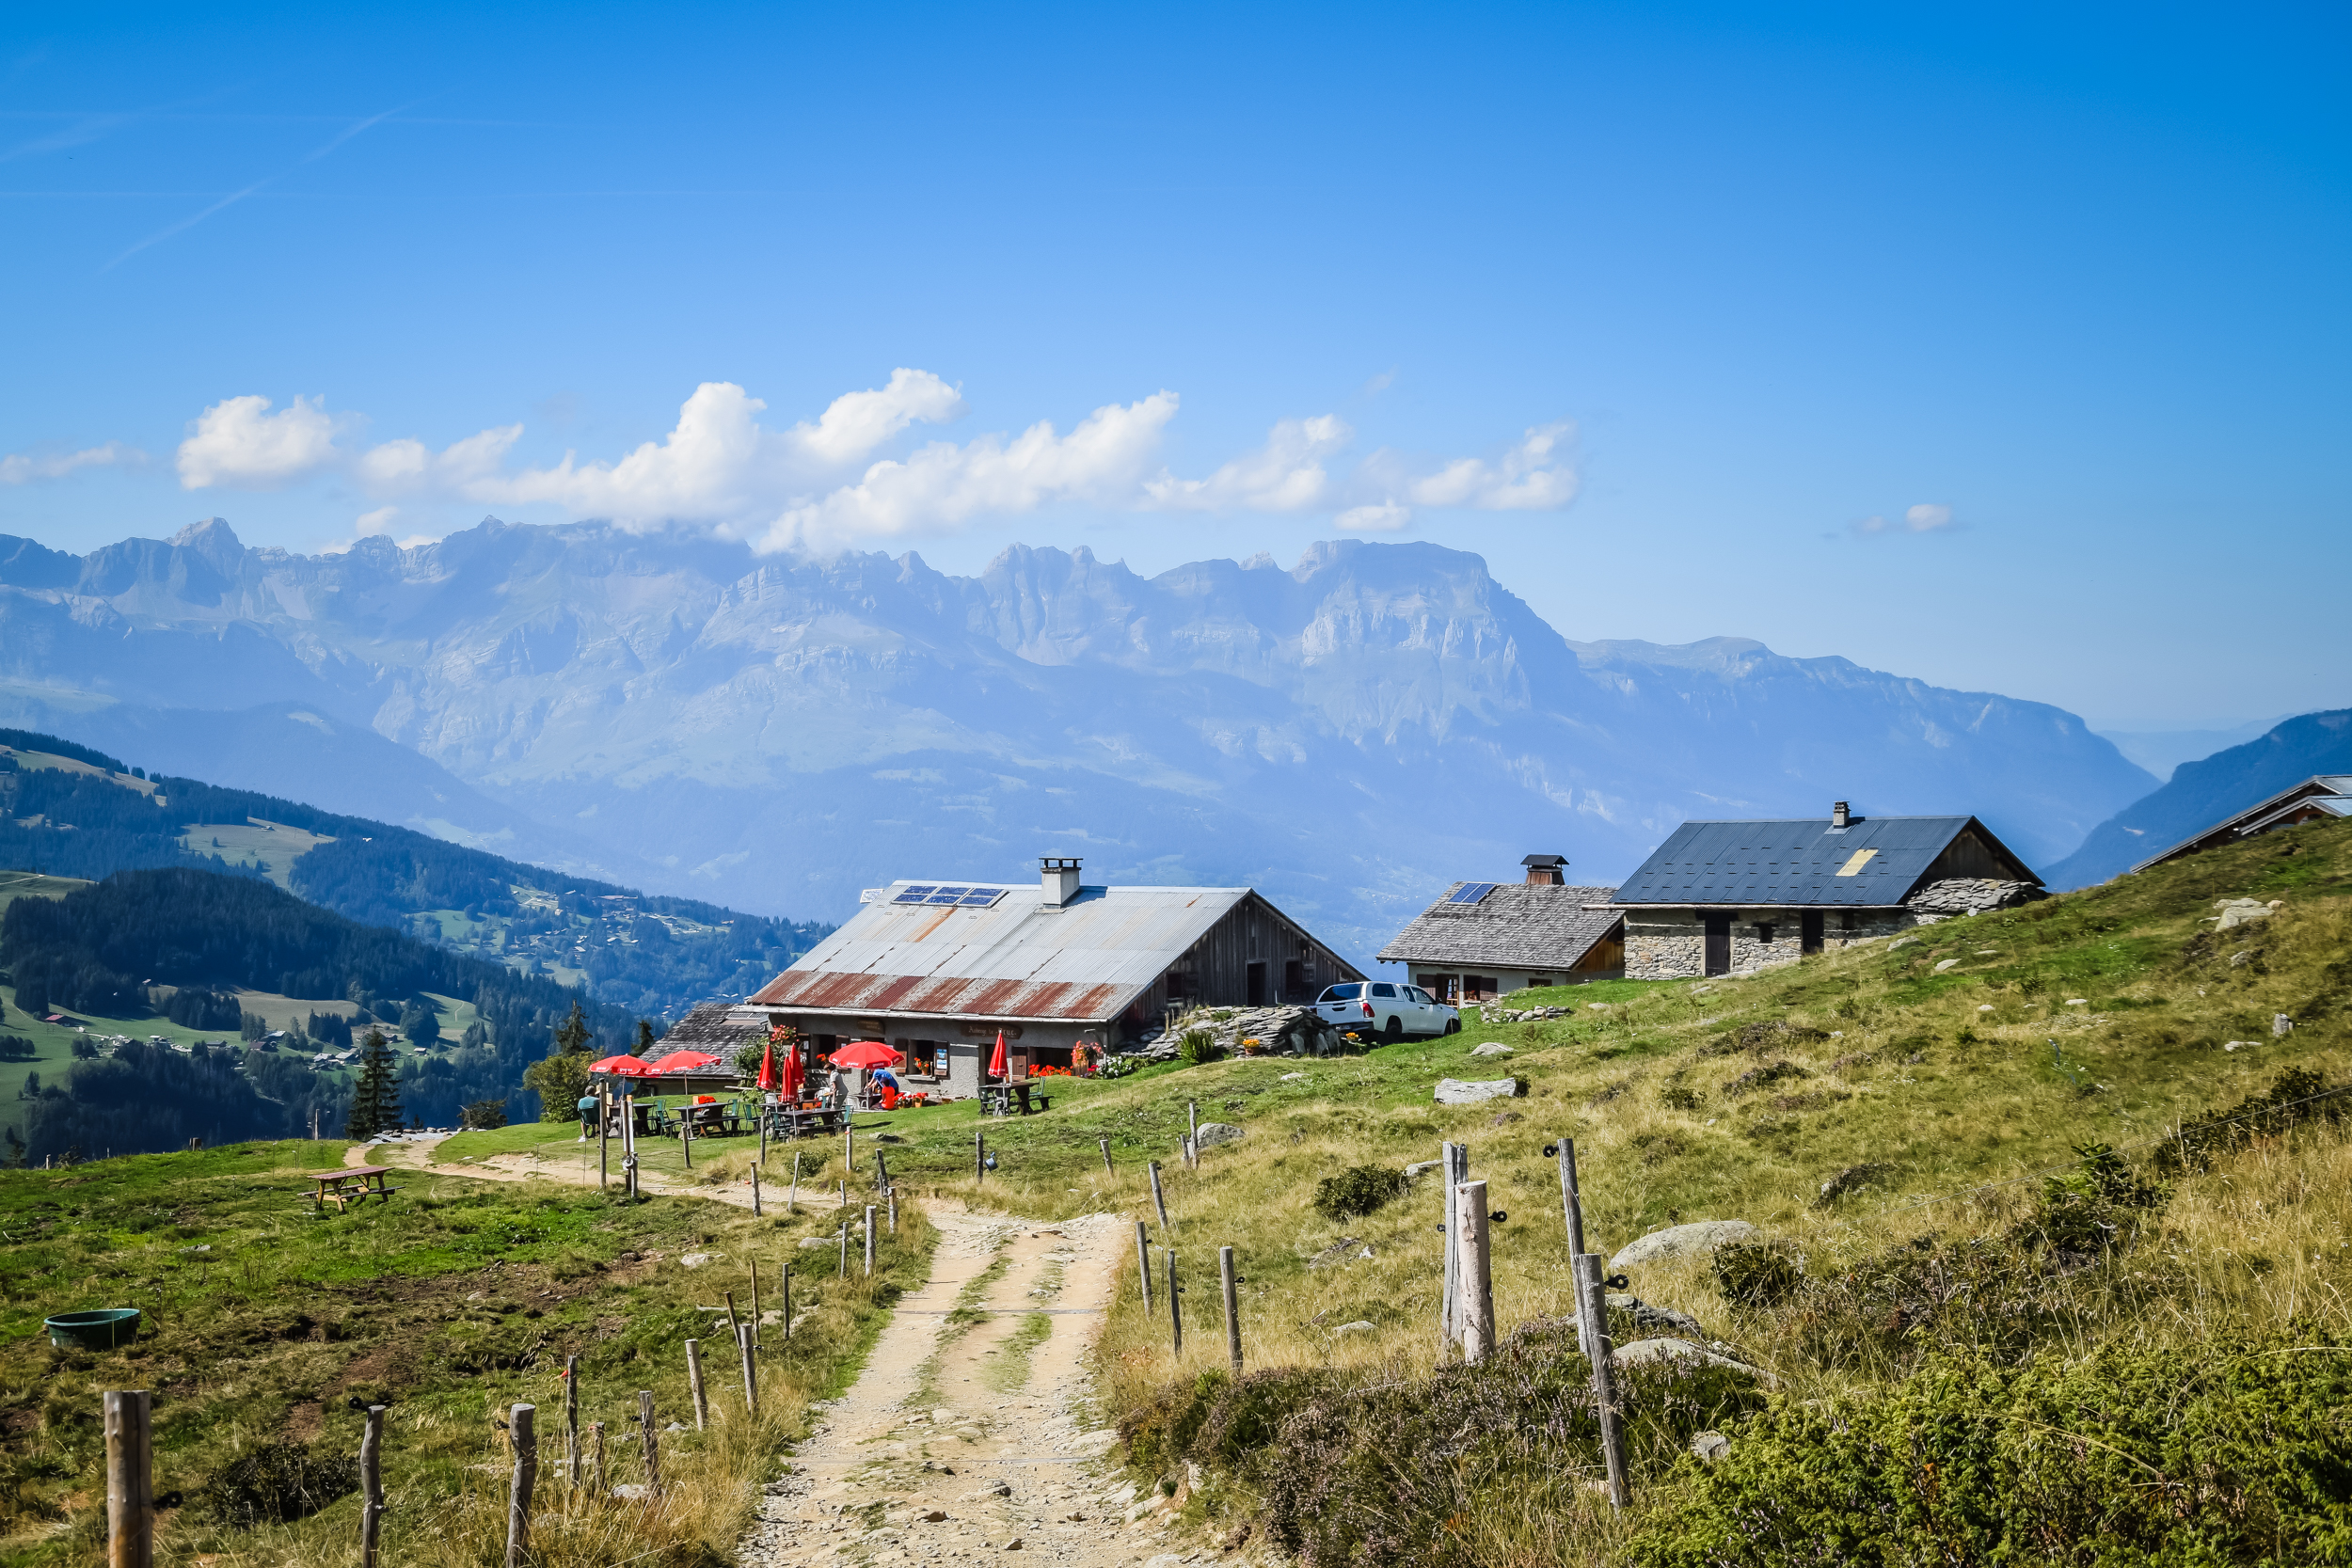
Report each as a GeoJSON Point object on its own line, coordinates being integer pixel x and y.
{"type": "Point", "coordinates": [348, 1185]}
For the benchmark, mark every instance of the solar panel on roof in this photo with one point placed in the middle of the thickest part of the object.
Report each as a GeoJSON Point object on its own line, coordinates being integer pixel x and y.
{"type": "Point", "coordinates": [979, 898]}
{"type": "Point", "coordinates": [913, 895]}
{"type": "Point", "coordinates": [947, 895]}
{"type": "Point", "coordinates": [1471, 893]}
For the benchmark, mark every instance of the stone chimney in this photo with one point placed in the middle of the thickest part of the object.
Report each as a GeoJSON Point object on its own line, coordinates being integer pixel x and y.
{"type": "Point", "coordinates": [1838, 815]}
{"type": "Point", "coordinates": [1546, 870]}
{"type": "Point", "coordinates": [1059, 879]}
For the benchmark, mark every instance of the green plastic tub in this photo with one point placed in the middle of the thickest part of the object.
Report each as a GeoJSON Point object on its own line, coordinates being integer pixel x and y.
{"type": "Point", "coordinates": [103, 1329]}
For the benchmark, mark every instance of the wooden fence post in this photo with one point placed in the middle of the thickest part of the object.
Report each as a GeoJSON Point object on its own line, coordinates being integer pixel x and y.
{"type": "Point", "coordinates": [870, 1241]}
{"type": "Point", "coordinates": [571, 1419]}
{"type": "Point", "coordinates": [754, 1319]}
{"type": "Point", "coordinates": [1106, 1156]}
{"type": "Point", "coordinates": [1571, 1200]}
{"type": "Point", "coordinates": [1478, 1300]}
{"type": "Point", "coordinates": [686, 1133]}
{"type": "Point", "coordinates": [734, 1324]}
{"type": "Point", "coordinates": [979, 1157]}
{"type": "Point", "coordinates": [1454, 1174]}
{"type": "Point", "coordinates": [787, 1302]}
{"type": "Point", "coordinates": [1159, 1200]}
{"type": "Point", "coordinates": [893, 1197]}
{"type": "Point", "coordinates": [372, 1486]}
{"type": "Point", "coordinates": [1175, 1308]}
{"type": "Point", "coordinates": [1233, 1306]}
{"type": "Point", "coordinates": [595, 1436]}
{"type": "Point", "coordinates": [130, 1480]}
{"type": "Point", "coordinates": [1192, 1133]}
{"type": "Point", "coordinates": [695, 1385]}
{"type": "Point", "coordinates": [1600, 1350]}
{"type": "Point", "coordinates": [750, 1373]}
{"type": "Point", "coordinates": [604, 1137]}
{"type": "Point", "coordinates": [843, 1271]}
{"type": "Point", "coordinates": [522, 1428]}
{"type": "Point", "coordinates": [756, 1191]}
{"type": "Point", "coordinates": [882, 1169]}
{"type": "Point", "coordinates": [653, 1441]}
{"type": "Point", "coordinates": [1143, 1262]}
{"type": "Point", "coordinates": [793, 1197]}
{"type": "Point", "coordinates": [848, 1140]}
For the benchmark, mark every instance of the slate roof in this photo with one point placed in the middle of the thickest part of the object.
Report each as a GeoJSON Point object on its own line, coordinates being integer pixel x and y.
{"type": "Point", "coordinates": [1515, 926]}
{"type": "Point", "coordinates": [1015, 958]}
{"type": "Point", "coordinates": [1874, 862]}
{"type": "Point", "coordinates": [2322, 790]}
{"type": "Point", "coordinates": [714, 1027]}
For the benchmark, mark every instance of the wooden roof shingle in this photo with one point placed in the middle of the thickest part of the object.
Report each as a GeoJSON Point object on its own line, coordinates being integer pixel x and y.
{"type": "Point", "coordinates": [1518, 926]}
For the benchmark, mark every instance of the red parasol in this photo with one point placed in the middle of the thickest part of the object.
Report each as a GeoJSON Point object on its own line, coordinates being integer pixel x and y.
{"type": "Point", "coordinates": [684, 1061]}
{"type": "Point", "coordinates": [996, 1067]}
{"type": "Point", "coordinates": [632, 1067]}
{"type": "Point", "coordinates": [864, 1054]}
{"type": "Point", "coordinates": [792, 1070]}
{"type": "Point", "coordinates": [767, 1065]}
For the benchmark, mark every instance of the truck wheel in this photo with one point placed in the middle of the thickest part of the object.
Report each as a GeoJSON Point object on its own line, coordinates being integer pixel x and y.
{"type": "Point", "coordinates": [1393, 1031]}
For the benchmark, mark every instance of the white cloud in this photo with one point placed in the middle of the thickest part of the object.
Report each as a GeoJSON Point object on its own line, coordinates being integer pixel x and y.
{"type": "Point", "coordinates": [1285, 475]}
{"type": "Point", "coordinates": [1531, 476]}
{"type": "Point", "coordinates": [1927, 518]}
{"type": "Point", "coordinates": [378, 521]}
{"type": "Point", "coordinates": [822, 483]}
{"type": "Point", "coordinates": [1386, 518]}
{"type": "Point", "coordinates": [26, 468]}
{"type": "Point", "coordinates": [941, 484]}
{"type": "Point", "coordinates": [239, 442]}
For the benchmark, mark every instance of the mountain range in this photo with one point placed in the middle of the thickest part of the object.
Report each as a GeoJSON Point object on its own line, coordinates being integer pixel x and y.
{"type": "Point", "coordinates": [678, 713]}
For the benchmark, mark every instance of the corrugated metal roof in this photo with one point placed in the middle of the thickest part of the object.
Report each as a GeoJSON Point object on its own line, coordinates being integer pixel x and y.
{"type": "Point", "coordinates": [2254, 817]}
{"type": "Point", "coordinates": [1085, 961]}
{"type": "Point", "coordinates": [1515, 926]}
{"type": "Point", "coordinates": [1875, 862]}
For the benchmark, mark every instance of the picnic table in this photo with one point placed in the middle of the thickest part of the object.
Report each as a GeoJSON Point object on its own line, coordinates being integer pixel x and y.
{"type": "Point", "coordinates": [1016, 1099]}
{"type": "Point", "coordinates": [803, 1121]}
{"type": "Point", "coordinates": [350, 1184]}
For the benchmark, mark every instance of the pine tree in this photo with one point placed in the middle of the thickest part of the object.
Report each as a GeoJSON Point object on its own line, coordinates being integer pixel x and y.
{"type": "Point", "coordinates": [645, 1039]}
{"type": "Point", "coordinates": [562, 1077]}
{"type": "Point", "coordinates": [376, 1099]}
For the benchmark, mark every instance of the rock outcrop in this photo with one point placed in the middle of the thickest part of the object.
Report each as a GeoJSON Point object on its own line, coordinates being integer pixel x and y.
{"type": "Point", "coordinates": [1960, 895]}
{"type": "Point", "coordinates": [1677, 1240]}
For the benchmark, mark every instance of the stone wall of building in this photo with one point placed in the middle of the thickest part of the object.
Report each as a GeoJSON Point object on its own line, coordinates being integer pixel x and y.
{"type": "Point", "coordinates": [1668, 944]}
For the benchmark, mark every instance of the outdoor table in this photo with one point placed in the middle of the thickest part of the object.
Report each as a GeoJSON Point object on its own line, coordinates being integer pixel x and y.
{"type": "Point", "coordinates": [710, 1121]}
{"type": "Point", "coordinates": [799, 1121]}
{"type": "Point", "coordinates": [350, 1184]}
{"type": "Point", "coordinates": [1015, 1098]}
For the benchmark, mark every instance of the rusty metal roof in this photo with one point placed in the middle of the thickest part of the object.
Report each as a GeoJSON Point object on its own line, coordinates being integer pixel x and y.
{"type": "Point", "coordinates": [1083, 962]}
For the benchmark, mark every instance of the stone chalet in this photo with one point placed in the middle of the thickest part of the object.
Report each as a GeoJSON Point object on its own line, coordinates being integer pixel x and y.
{"type": "Point", "coordinates": [1722, 896]}
{"type": "Point", "coordinates": [938, 969]}
{"type": "Point", "coordinates": [2318, 799]}
{"type": "Point", "coordinates": [1484, 940]}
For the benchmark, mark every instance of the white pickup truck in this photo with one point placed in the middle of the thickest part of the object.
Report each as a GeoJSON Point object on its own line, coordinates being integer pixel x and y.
{"type": "Point", "coordinates": [1387, 1008]}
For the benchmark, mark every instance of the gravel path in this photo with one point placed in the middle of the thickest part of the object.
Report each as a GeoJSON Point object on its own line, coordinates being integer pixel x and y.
{"type": "Point", "coordinates": [969, 1436]}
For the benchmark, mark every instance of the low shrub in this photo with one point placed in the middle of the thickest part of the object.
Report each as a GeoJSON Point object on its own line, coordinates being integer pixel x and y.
{"type": "Point", "coordinates": [1756, 1275]}
{"type": "Point", "coordinates": [2200, 1453]}
{"type": "Point", "coordinates": [277, 1483]}
{"type": "Point", "coordinates": [2299, 1097]}
{"type": "Point", "coordinates": [1196, 1046]}
{"type": "Point", "coordinates": [1358, 1189]}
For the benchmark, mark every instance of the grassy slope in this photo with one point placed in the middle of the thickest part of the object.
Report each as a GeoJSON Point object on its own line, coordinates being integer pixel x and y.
{"type": "Point", "coordinates": [1967, 1083]}
{"type": "Point", "coordinates": [455, 1299]}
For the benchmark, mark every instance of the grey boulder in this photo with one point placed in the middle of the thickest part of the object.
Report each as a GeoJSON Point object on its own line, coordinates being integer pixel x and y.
{"type": "Point", "coordinates": [1214, 1133]}
{"type": "Point", "coordinates": [1456, 1091]}
{"type": "Point", "coordinates": [1677, 1240]}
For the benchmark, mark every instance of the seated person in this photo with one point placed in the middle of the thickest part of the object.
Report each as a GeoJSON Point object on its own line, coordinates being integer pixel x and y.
{"type": "Point", "coordinates": [886, 1082]}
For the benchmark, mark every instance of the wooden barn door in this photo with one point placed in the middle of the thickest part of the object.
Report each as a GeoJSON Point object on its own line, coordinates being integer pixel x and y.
{"type": "Point", "coordinates": [1718, 944]}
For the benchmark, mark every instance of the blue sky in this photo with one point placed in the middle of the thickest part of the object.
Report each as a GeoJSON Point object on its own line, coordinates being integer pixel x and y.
{"type": "Point", "coordinates": [2000, 347]}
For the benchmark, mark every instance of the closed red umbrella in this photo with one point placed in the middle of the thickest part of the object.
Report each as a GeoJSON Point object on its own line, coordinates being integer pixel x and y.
{"type": "Point", "coordinates": [996, 1067]}
{"type": "Point", "coordinates": [767, 1065]}
{"type": "Point", "coordinates": [792, 1070]}
{"type": "Point", "coordinates": [864, 1054]}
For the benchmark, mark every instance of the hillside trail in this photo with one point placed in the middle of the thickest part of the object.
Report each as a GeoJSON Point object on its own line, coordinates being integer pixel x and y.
{"type": "Point", "coordinates": [577, 1172]}
{"type": "Point", "coordinates": [970, 1432]}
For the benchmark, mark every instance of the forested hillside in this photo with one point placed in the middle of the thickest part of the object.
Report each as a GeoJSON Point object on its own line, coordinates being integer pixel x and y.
{"type": "Point", "coordinates": [109, 949]}
{"type": "Point", "coordinates": [70, 811]}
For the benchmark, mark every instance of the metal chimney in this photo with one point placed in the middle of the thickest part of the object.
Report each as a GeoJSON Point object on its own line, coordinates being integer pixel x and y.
{"type": "Point", "coordinates": [1059, 878]}
{"type": "Point", "coordinates": [1838, 815]}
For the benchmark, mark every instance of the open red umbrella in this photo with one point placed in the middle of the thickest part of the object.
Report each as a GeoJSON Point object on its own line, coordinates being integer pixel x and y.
{"type": "Point", "coordinates": [996, 1067]}
{"type": "Point", "coordinates": [684, 1061]}
{"type": "Point", "coordinates": [632, 1067]}
{"type": "Point", "coordinates": [864, 1054]}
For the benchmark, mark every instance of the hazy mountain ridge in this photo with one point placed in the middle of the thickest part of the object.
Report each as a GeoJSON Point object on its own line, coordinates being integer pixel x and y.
{"type": "Point", "coordinates": [774, 734]}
